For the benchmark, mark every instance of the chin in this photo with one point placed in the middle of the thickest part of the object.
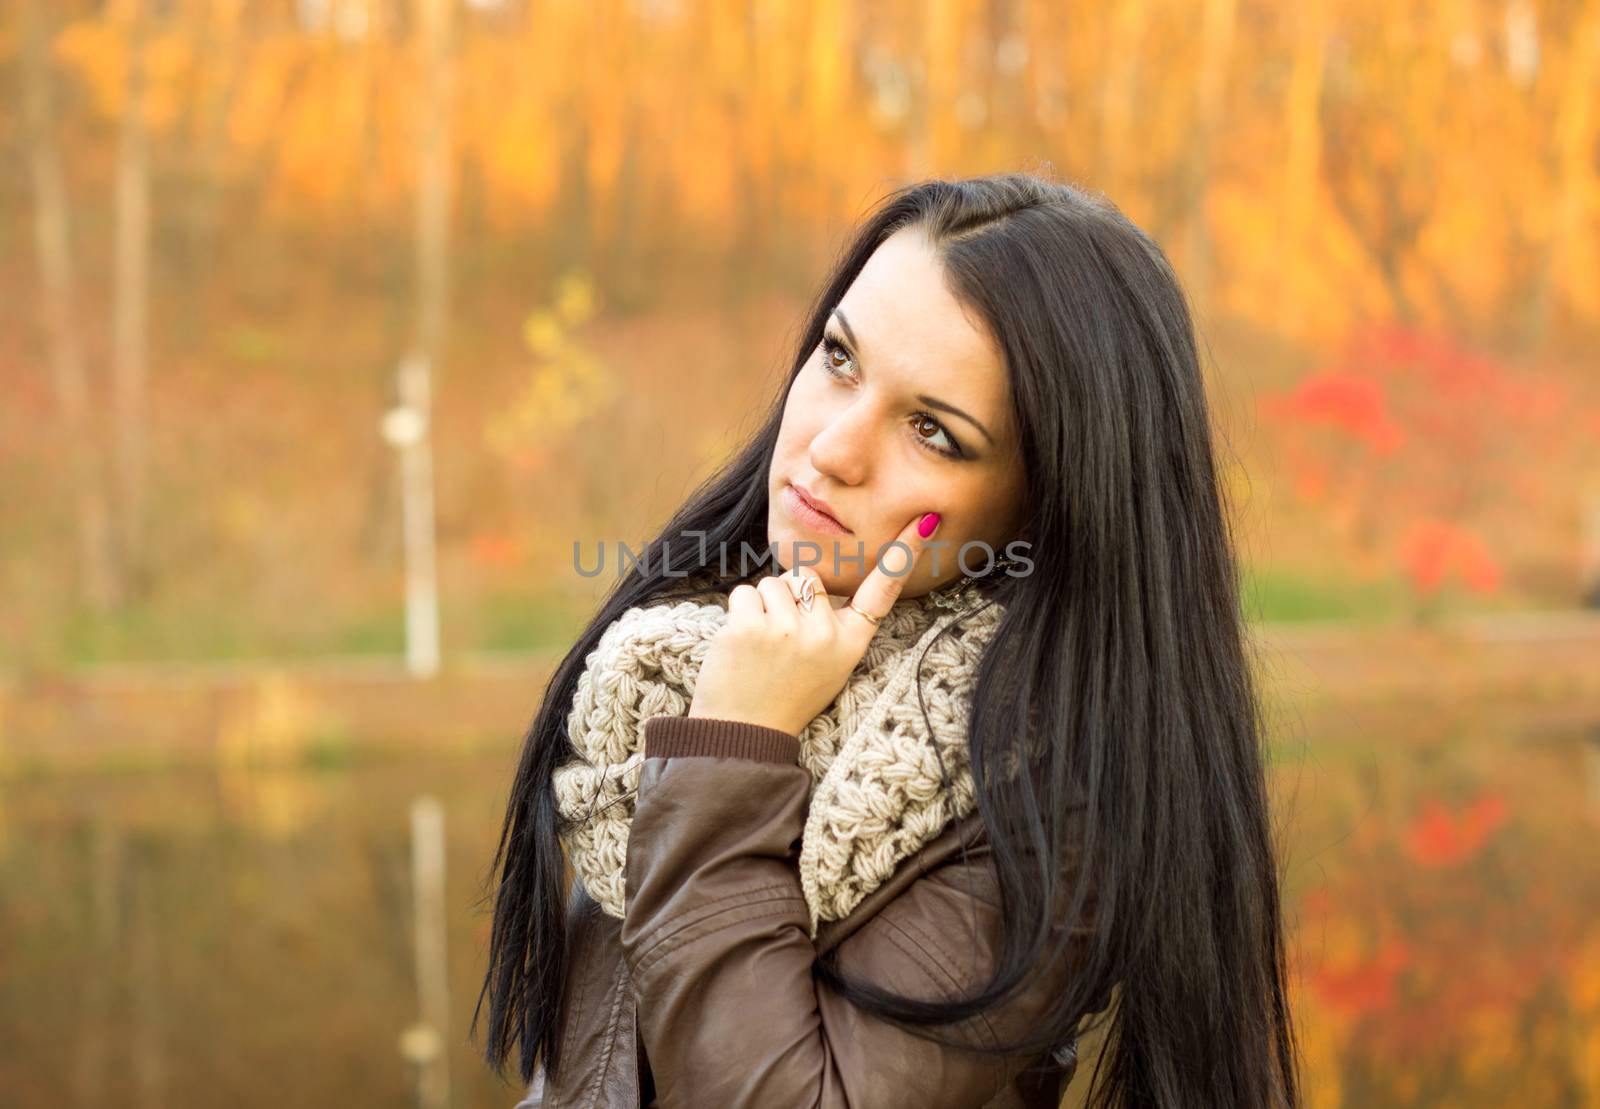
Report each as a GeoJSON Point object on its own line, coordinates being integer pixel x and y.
{"type": "Point", "coordinates": [784, 555]}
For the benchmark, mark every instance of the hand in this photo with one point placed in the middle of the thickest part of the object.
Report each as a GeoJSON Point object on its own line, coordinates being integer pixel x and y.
{"type": "Point", "coordinates": [778, 666]}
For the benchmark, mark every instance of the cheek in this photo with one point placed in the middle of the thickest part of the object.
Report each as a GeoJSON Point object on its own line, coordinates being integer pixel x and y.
{"type": "Point", "coordinates": [803, 415]}
{"type": "Point", "coordinates": [974, 505]}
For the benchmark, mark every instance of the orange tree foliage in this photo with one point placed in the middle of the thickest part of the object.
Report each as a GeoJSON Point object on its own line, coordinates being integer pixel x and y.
{"type": "Point", "coordinates": [1315, 170]}
{"type": "Point", "coordinates": [1362, 159]}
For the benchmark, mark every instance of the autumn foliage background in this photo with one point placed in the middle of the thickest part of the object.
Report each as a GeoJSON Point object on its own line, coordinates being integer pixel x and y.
{"type": "Point", "coordinates": [225, 223]}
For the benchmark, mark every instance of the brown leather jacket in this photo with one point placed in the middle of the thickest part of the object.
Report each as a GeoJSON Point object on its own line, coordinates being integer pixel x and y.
{"type": "Point", "coordinates": [703, 995]}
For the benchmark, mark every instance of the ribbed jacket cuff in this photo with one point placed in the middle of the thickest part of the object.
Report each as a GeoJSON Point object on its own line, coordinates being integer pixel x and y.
{"type": "Point", "coordinates": [668, 737]}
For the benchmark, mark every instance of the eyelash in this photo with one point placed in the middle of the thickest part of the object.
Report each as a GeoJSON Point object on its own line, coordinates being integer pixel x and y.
{"type": "Point", "coordinates": [830, 345]}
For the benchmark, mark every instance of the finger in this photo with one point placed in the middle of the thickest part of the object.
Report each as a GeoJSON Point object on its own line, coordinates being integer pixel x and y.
{"type": "Point", "coordinates": [880, 589]}
{"type": "Point", "coordinates": [782, 614]}
{"type": "Point", "coordinates": [745, 605]}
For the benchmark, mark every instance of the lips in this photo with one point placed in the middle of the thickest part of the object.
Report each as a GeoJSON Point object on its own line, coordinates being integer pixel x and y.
{"type": "Point", "coordinates": [816, 504]}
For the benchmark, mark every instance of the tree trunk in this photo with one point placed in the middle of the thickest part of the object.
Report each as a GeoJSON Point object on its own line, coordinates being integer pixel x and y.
{"type": "Point", "coordinates": [99, 574]}
{"type": "Point", "coordinates": [433, 181]}
{"type": "Point", "coordinates": [130, 299]}
{"type": "Point", "coordinates": [1575, 139]}
{"type": "Point", "coordinates": [1216, 52]}
{"type": "Point", "coordinates": [1303, 125]}
{"type": "Point", "coordinates": [1119, 95]}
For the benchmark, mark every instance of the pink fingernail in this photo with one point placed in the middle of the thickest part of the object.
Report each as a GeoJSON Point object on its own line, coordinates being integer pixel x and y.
{"type": "Point", "coordinates": [927, 524]}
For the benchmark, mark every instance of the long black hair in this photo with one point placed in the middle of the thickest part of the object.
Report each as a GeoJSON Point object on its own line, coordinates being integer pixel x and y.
{"type": "Point", "coordinates": [1119, 674]}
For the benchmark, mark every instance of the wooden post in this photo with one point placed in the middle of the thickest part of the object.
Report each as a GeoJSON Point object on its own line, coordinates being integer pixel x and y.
{"type": "Point", "coordinates": [433, 992]}
{"type": "Point", "coordinates": [408, 427]}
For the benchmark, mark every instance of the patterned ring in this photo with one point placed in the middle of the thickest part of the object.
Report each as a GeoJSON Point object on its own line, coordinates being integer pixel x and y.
{"type": "Point", "coordinates": [804, 588]}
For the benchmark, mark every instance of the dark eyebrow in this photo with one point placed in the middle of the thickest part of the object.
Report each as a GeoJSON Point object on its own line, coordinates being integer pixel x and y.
{"type": "Point", "coordinates": [931, 402]}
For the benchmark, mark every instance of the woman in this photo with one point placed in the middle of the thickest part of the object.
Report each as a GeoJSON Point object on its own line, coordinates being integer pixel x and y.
{"type": "Point", "coordinates": [896, 831]}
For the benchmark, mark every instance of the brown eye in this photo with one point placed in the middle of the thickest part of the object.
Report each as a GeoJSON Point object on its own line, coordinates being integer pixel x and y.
{"type": "Point", "coordinates": [925, 427]}
{"type": "Point", "coordinates": [832, 350]}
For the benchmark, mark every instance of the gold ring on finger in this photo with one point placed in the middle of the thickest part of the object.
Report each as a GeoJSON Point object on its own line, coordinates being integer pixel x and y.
{"type": "Point", "coordinates": [875, 619]}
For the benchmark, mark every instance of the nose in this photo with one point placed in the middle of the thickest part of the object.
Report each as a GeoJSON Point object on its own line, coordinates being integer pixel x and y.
{"type": "Point", "coordinates": [842, 449]}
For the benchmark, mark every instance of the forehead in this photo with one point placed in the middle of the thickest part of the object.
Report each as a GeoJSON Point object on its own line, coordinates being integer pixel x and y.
{"type": "Point", "coordinates": [915, 335]}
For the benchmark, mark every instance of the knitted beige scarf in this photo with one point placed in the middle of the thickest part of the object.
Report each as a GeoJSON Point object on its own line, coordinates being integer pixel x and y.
{"type": "Point", "coordinates": [876, 794]}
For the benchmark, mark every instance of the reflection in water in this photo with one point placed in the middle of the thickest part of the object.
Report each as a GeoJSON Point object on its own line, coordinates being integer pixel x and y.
{"type": "Point", "coordinates": [242, 935]}
{"type": "Point", "coordinates": [1591, 762]}
{"type": "Point", "coordinates": [1444, 914]}
{"type": "Point", "coordinates": [104, 870]}
{"type": "Point", "coordinates": [171, 939]}
{"type": "Point", "coordinates": [264, 733]}
{"type": "Point", "coordinates": [273, 801]}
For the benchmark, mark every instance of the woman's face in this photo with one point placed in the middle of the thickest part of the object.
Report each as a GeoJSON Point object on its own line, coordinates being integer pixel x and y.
{"type": "Point", "coordinates": [902, 409]}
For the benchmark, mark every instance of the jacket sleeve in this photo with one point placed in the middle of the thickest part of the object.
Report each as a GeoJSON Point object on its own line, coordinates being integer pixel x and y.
{"type": "Point", "coordinates": [716, 938]}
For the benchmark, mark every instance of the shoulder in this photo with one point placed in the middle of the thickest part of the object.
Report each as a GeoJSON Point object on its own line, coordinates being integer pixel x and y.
{"type": "Point", "coordinates": [957, 859]}
{"type": "Point", "coordinates": [934, 932]}
{"type": "Point", "coordinates": [943, 909]}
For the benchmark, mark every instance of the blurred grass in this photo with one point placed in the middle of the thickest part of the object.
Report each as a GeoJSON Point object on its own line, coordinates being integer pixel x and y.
{"type": "Point", "coordinates": [1281, 595]}
{"type": "Point", "coordinates": [536, 620]}
{"type": "Point", "coordinates": [196, 631]}
{"type": "Point", "coordinates": [525, 622]}
{"type": "Point", "coordinates": [191, 632]}
{"type": "Point", "coordinates": [1285, 595]}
